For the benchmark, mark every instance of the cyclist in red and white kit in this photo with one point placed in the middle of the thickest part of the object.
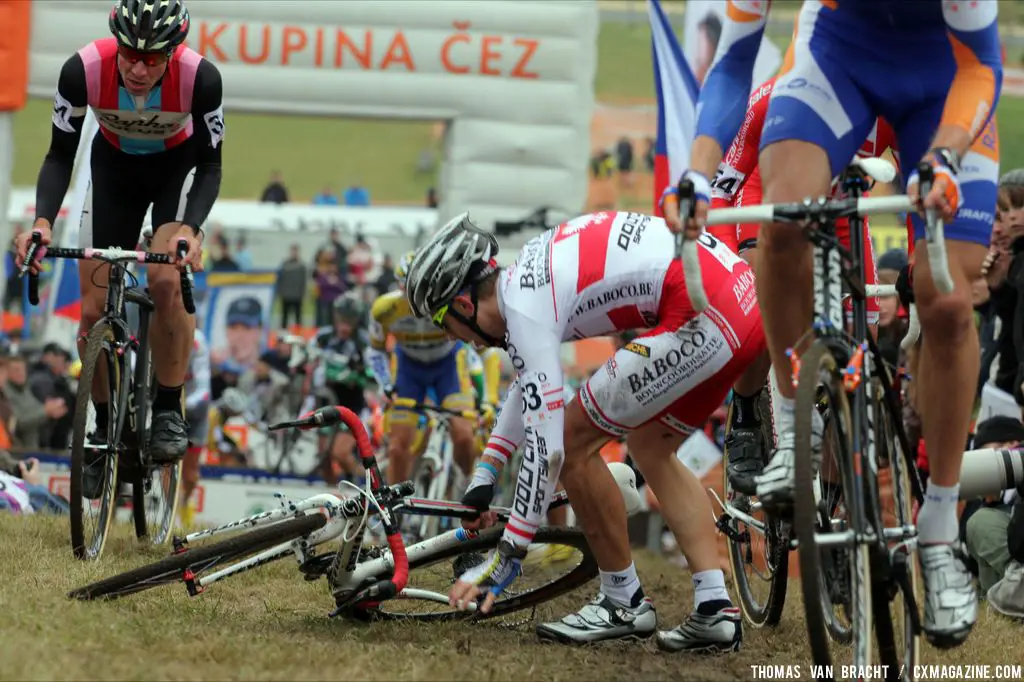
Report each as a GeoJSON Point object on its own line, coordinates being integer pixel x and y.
{"type": "Point", "coordinates": [592, 276]}
{"type": "Point", "coordinates": [738, 183]}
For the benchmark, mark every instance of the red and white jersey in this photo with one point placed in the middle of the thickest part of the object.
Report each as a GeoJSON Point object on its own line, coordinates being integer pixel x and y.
{"type": "Point", "coordinates": [592, 276]}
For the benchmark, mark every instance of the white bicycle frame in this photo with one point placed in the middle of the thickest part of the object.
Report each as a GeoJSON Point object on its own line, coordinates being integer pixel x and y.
{"type": "Point", "coordinates": [438, 456]}
{"type": "Point", "coordinates": [345, 520]}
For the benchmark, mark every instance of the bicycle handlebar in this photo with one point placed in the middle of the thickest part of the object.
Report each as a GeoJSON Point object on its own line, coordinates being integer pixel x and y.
{"type": "Point", "coordinates": [413, 406]}
{"type": "Point", "coordinates": [810, 210]}
{"type": "Point", "coordinates": [36, 251]}
{"type": "Point", "coordinates": [329, 416]}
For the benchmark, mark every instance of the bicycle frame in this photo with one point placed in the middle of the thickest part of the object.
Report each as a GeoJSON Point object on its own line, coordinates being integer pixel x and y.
{"type": "Point", "coordinates": [347, 575]}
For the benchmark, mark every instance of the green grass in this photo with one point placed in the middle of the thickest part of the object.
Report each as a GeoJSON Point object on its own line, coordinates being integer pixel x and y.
{"type": "Point", "coordinates": [314, 152]}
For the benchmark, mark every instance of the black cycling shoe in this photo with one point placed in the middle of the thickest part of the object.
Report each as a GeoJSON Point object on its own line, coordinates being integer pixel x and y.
{"type": "Point", "coordinates": [94, 472]}
{"type": "Point", "coordinates": [745, 461]}
{"type": "Point", "coordinates": [168, 439]}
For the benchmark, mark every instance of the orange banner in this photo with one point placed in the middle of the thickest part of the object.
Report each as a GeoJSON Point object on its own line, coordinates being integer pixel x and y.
{"type": "Point", "coordinates": [14, 18]}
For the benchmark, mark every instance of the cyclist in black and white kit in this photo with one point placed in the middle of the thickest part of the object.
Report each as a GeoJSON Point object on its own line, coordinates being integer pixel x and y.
{"type": "Point", "coordinates": [158, 104]}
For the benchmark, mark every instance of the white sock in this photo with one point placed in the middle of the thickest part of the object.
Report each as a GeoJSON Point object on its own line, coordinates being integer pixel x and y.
{"type": "Point", "coordinates": [937, 521]}
{"type": "Point", "coordinates": [783, 414]}
{"type": "Point", "coordinates": [622, 586]}
{"type": "Point", "coordinates": [709, 586]}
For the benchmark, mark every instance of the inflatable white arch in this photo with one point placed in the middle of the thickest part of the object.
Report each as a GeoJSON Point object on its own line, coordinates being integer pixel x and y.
{"type": "Point", "coordinates": [513, 79]}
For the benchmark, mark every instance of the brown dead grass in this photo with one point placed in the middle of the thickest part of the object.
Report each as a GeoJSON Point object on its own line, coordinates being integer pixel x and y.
{"type": "Point", "coordinates": [271, 625]}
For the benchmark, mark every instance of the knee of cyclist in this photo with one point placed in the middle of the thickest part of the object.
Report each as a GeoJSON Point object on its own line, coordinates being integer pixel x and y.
{"type": "Point", "coordinates": [951, 315]}
{"type": "Point", "coordinates": [463, 437]}
{"type": "Point", "coordinates": [165, 289]}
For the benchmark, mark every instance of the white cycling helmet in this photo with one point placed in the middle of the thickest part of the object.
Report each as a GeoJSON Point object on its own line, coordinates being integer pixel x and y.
{"type": "Point", "coordinates": [234, 401]}
{"type": "Point", "coordinates": [459, 254]}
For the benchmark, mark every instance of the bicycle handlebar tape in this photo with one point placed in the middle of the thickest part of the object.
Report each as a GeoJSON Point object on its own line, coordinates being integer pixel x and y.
{"type": "Point", "coordinates": [934, 232]}
{"type": "Point", "coordinates": [686, 249]}
{"type": "Point", "coordinates": [33, 279]}
{"type": "Point", "coordinates": [187, 281]}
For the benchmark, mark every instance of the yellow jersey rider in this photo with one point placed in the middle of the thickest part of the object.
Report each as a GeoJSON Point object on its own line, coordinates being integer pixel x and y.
{"type": "Point", "coordinates": [426, 360]}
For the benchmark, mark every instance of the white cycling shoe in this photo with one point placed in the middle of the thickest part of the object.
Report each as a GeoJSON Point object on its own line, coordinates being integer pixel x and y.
{"type": "Point", "coordinates": [950, 600]}
{"type": "Point", "coordinates": [602, 620]}
{"type": "Point", "coordinates": [715, 632]}
{"type": "Point", "coordinates": [776, 484]}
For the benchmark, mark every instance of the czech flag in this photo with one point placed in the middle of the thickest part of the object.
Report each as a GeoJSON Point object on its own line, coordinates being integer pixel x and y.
{"type": "Point", "coordinates": [677, 91]}
{"type": "Point", "coordinates": [68, 303]}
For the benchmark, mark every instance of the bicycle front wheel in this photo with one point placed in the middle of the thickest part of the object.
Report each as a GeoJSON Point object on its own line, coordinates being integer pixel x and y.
{"type": "Point", "coordinates": [835, 573]}
{"type": "Point", "coordinates": [202, 560]}
{"type": "Point", "coordinates": [94, 460]}
{"type": "Point", "coordinates": [899, 645]}
{"type": "Point", "coordinates": [557, 563]}
{"type": "Point", "coordinates": [155, 501]}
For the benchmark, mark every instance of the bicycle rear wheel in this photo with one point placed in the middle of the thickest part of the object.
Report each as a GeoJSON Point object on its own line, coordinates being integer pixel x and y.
{"type": "Point", "coordinates": [761, 552]}
{"type": "Point", "coordinates": [201, 560]}
{"type": "Point", "coordinates": [92, 507]}
{"type": "Point", "coordinates": [558, 562]}
{"type": "Point", "coordinates": [829, 572]}
{"type": "Point", "coordinates": [899, 644]}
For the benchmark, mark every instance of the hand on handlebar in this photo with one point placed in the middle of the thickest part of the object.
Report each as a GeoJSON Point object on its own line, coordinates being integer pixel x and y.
{"type": "Point", "coordinates": [693, 224]}
{"type": "Point", "coordinates": [22, 241]}
{"type": "Point", "coordinates": [945, 194]}
{"type": "Point", "coordinates": [194, 256]}
{"type": "Point", "coordinates": [479, 497]}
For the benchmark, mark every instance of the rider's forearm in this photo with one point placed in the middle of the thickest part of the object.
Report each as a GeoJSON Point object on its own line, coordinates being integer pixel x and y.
{"type": "Point", "coordinates": [54, 179]}
{"type": "Point", "coordinates": [205, 188]}
{"type": "Point", "coordinates": [952, 137]}
{"type": "Point", "coordinates": [705, 155]}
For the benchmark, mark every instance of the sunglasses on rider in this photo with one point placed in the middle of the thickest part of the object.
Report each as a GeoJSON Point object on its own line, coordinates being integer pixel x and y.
{"type": "Point", "coordinates": [150, 59]}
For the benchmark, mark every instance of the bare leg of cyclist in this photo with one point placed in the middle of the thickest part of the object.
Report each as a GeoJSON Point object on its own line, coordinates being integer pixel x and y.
{"type": "Point", "coordinates": [464, 448]}
{"type": "Point", "coordinates": [785, 291]}
{"type": "Point", "coordinates": [93, 299]}
{"type": "Point", "coordinates": [950, 358]}
{"type": "Point", "coordinates": [189, 481]}
{"type": "Point", "coordinates": [400, 460]}
{"type": "Point", "coordinates": [343, 454]}
{"type": "Point", "coordinates": [599, 508]}
{"type": "Point", "coordinates": [622, 609]}
{"type": "Point", "coordinates": [684, 503]}
{"type": "Point", "coordinates": [171, 333]}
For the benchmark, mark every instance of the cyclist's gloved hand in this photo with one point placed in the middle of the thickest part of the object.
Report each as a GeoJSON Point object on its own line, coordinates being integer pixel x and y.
{"type": "Point", "coordinates": [905, 286]}
{"type": "Point", "coordinates": [692, 226]}
{"type": "Point", "coordinates": [22, 241]}
{"type": "Point", "coordinates": [491, 577]}
{"type": "Point", "coordinates": [479, 497]}
{"type": "Point", "coordinates": [946, 195]}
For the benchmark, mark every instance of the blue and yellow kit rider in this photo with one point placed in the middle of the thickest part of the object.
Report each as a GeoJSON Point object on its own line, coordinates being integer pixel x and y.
{"type": "Point", "coordinates": [426, 361]}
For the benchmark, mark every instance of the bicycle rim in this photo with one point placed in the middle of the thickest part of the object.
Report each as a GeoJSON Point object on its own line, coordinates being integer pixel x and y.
{"type": "Point", "coordinates": [899, 646]}
{"type": "Point", "coordinates": [201, 560]}
{"type": "Point", "coordinates": [91, 518]}
{"type": "Point", "coordinates": [759, 559]}
{"type": "Point", "coordinates": [819, 371]}
{"type": "Point", "coordinates": [559, 561]}
{"type": "Point", "coordinates": [155, 500]}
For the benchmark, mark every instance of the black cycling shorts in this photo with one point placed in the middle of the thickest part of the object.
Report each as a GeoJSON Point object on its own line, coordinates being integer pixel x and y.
{"type": "Point", "coordinates": [349, 396]}
{"type": "Point", "coordinates": [123, 186]}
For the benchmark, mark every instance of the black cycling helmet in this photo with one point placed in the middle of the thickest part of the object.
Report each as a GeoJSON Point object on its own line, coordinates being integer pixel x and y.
{"type": "Point", "coordinates": [149, 25]}
{"type": "Point", "coordinates": [348, 307]}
